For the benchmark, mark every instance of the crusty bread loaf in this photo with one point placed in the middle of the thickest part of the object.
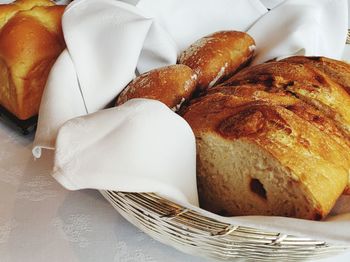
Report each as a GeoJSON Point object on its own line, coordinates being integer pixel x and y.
{"type": "Point", "coordinates": [30, 41]}
{"type": "Point", "coordinates": [275, 96]}
{"type": "Point", "coordinates": [304, 81]}
{"type": "Point", "coordinates": [336, 70]}
{"type": "Point", "coordinates": [171, 85]}
{"type": "Point", "coordinates": [260, 158]}
{"type": "Point", "coordinates": [308, 81]}
{"type": "Point", "coordinates": [217, 56]}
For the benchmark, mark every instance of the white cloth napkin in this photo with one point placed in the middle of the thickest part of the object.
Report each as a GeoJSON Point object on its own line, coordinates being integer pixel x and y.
{"type": "Point", "coordinates": [143, 146]}
{"type": "Point", "coordinates": [302, 27]}
{"type": "Point", "coordinates": [138, 150]}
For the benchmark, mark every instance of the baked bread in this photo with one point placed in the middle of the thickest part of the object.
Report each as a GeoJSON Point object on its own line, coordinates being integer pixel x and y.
{"type": "Point", "coordinates": [171, 85]}
{"type": "Point", "coordinates": [275, 96]}
{"type": "Point", "coordinates": [305, 82]}
{"type": "Point", "coordinates": [336, 70]}
{"type": "Point", "coordinates": [30, 41]}
{"type": "Point", "coordinates": [261, 158]}
{"type": "Point", "coordinates": [217, 56]}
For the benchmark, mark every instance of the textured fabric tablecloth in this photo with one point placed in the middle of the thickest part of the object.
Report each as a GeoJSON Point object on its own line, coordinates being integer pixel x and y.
{"type": "Point", "coordinates": [40, 221]}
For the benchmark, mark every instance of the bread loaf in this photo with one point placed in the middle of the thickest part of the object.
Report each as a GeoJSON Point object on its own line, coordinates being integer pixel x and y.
{"type": "Point", "coordinates": [305, 82]}
{"type": "Point", "coordinates": [275, 96]}
{"type": "Point", "coordinates": [320, 88]}
{"type": "Point", "coordinates": [274, 139]}
{"type": "Point", "coordinates": [217, 56]}
{"type": "Point", "coordinates": [30, 41]}
{"type": "Point", "coordinates": [171, 85]}
{"type": "Point", "coordinates": [258, 158]}
{"type": "Point", "coordinates": [336, 70]}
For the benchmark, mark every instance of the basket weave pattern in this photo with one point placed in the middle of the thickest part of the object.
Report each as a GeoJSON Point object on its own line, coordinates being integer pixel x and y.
{"type": "Point", "coordinates": [193, 233]}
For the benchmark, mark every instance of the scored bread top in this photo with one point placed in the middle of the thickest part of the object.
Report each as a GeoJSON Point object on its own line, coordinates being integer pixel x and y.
{"type": "Point", "coordinates": [303, 81]}
{"type": "Point", "coordinates": [336, 70]}
{"type": "Point", "coordinates": [256, 92]}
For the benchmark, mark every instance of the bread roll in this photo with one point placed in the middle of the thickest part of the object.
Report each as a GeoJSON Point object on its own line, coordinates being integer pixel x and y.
{"type": "Point", "coordinates": [30, 41]}
{"type": "Point", "coordinates": [217, 56]}
{"type": "Point", "coordinates": [171, 85]}
{"type": "Point", "coordinates": [257, 158]}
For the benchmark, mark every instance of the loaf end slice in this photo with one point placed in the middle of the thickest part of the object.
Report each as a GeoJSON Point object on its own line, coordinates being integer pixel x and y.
{"type": "Point", "coordinates": [261, 159]}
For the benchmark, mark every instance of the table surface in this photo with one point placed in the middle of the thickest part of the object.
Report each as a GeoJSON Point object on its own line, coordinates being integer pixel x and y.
{"type": "Point", "coordinates": [41, 221]}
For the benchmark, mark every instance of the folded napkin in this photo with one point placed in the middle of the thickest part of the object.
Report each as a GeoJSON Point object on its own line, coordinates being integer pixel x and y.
{"type": "Point", "coordinates": [302, 27]}
{"type": "Point", "coordinates": [145, 136]}
{"type": "Point", "coordinates": [143, 146]}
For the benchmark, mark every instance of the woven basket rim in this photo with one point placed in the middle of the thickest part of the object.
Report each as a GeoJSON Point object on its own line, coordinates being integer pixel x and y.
{"type": "Point", "coordinates": [193, 233]}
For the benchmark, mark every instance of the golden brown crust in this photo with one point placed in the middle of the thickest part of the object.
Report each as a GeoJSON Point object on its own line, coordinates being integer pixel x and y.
{"type": "Point", "coordinates": [336, 70]}
{"type": "Point", "coordinates": [256, 92]}
{"type": "Point", "coordinates": [217, 56]}
{"type": "Point", "coordinates": [171, 85]}
{"type": "Point", "coordinates": [295, 112]}
{"type": "Point", "coordinates": [30, 41]}
{"type": "Point", "coordinates": [9, 10]}
{"type": "Point", "coordinates": [305, 82]}
{"type": "Point", "coordinates": [297, 144]}
{"type": "Point", "coordinates": [310, 82]}
{"type": "Point", "coordinates": [217, 105]}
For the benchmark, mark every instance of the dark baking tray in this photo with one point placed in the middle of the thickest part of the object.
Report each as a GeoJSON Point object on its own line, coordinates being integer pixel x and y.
{"type": "Point", "coordinates": [24, 126]}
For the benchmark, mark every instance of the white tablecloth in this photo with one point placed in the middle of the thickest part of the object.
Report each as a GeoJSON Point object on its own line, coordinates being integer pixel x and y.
{"type": "Point", "coordinates": [40, 221]}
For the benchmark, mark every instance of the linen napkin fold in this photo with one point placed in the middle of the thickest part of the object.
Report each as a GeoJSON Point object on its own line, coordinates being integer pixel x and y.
{"type": "Point", "coordinates": [185, 21]}
{"type": "Point", "coordinates": [107, 39]}
{"type": "Point", "coordinates": [118, 148]}
{"type": "Point", "coordinates": [298, 27]}
{"type": "Point", "coordinates": [134, 147]}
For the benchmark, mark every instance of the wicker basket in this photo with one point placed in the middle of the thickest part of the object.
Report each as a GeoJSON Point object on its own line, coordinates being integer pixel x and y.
{"type": "Point", "coordinates": [193, 233]}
